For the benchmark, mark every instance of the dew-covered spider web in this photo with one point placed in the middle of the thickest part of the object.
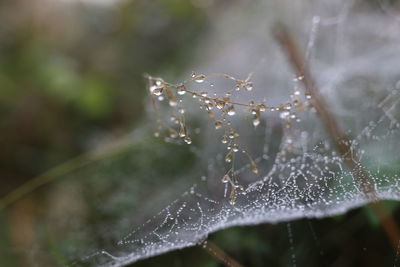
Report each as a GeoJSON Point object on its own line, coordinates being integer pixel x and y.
{"type": "Point", "coordinates": [145, 207]}
{"type": "Point", "coordinates": [353, 53]}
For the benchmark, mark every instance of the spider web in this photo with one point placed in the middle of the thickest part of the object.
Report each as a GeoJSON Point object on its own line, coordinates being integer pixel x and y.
{"type": "Point", "coordinates": [354, 57]}
{"type": "Point", "coordinates": [311, 181]}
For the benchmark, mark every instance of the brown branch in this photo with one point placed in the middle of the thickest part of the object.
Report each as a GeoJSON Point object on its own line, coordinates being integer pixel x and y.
{"type": "Point", "coordinates": [219, 254]}
{"type": "Point", "coordinates": [342, 143]}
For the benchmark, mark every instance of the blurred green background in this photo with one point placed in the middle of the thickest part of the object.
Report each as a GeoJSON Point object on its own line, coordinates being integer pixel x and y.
{"type": "Point", "coordinates": [71, 74]}
{"type": "Point", "coordinates": [71, 81]}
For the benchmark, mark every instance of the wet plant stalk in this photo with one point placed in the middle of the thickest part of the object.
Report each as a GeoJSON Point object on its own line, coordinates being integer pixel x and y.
{"type": "Point", "coordinates": [220, 255]}
{"type": "Point", "coordinates": [342, 143]}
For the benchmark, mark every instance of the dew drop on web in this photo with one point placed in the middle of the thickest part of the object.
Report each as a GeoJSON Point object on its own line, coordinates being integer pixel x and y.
{"type": "Point", "coordinates": [231, 110]}
{"type": "Point", "coordinates": [200, 78]}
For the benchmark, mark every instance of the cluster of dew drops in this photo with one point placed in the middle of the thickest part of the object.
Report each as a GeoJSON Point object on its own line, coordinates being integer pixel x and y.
{"type": "Point", "coordinates": [219, 109]}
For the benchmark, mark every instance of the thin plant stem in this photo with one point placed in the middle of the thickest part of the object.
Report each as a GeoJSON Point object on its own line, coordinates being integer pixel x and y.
{"type": "Point", "coordinates": [219, 254]}
{"type": "Point", "coordinates": [342, 143]}
{"type": "Point", "coordinates": [58, 171]}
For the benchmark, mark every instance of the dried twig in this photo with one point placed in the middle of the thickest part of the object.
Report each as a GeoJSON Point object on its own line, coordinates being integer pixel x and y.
{"type": "Point", "coordinates": [342, 143]}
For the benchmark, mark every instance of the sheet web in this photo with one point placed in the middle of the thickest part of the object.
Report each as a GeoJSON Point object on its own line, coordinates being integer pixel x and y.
{"type": "Point", "coordinates": [311, 182]}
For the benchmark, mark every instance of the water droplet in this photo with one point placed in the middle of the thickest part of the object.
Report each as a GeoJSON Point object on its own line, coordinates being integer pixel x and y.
{"type": "Point", "coordinates": [181, 90]}
{"type": "Point", "coordinates": [203, 94]}
{"type": "Point", "coordinates": [256, 121]}
{"type": "Point", "coordinates": [173, 103]}
{"type": "Point", "coordinates": [249, 86]}
{"type": "Point", "coordinates": [220, 104]}
{"type": "Point", "coordinates": [157, 91]}
{"type": "Point", "coordinates": [299, 78]}
{"type": "Point", "coordinates": [187, 140]}
{"type": "Point", "coordinates": [233, 135]}
{"type": "Point", "coordinates": [238, 186]}
{"type": "Point", "coordinates": [284, 114]}
{"type": "Point", "coordinates": [235, 148]}
{"type": "Point", "coordinates": [308, 96]}
{"type": "Point", "coordinates": [231, 110]}
{"type": "Point", "coordinates": [200, 78]}
{"type": "Point", "coordinates": [152, 88]}
{"type": "Point", "coordinates": [193, 74]}
{"type": "Point", "coordinates": [160, 98]}
{"type": "Point", "coordinates": [157, 134]}
{"type": "Point", "coordinates": [218, 124]}
{"type": "Point", "coordinates": [181, 110]}
{"type": "Point", "coordinates": [224, 139]}
{"type": "Point", "coordinates": [229, 156]}
{"type": "Point", "coordinates": [297, 92]}
{"type": "Point", "coordinates": [171, 98]}
{"type": "Point", "coordinates": [262, 107]}
{"type": "Point", "coordinates": [156, 86]}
